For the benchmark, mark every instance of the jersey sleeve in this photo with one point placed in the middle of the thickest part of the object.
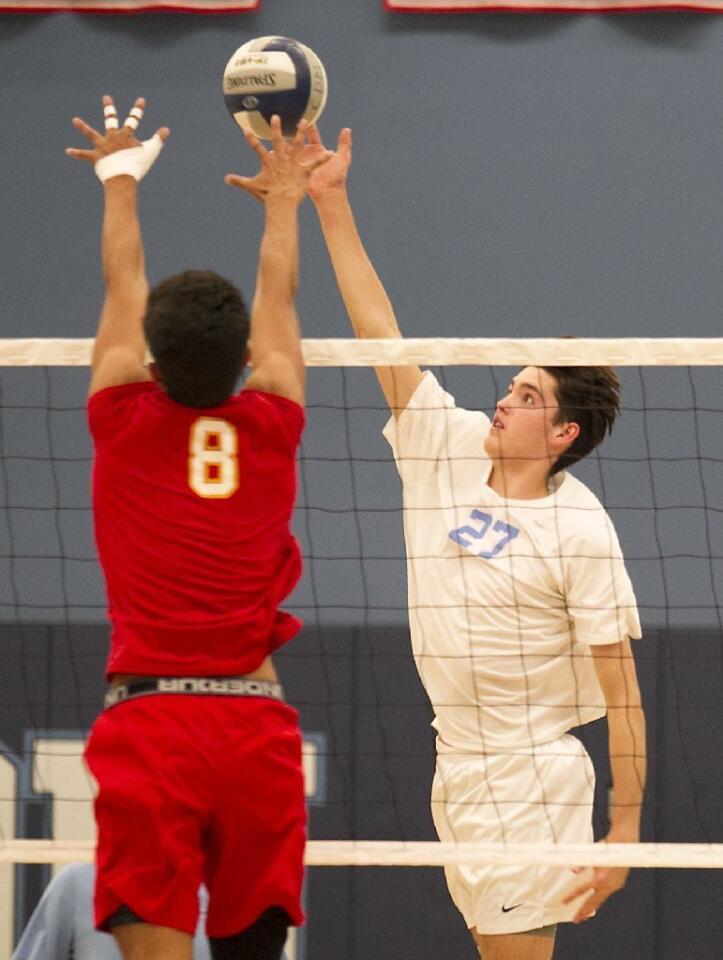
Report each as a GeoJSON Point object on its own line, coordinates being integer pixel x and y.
{"type": "Point", "coordinates": [431, 430]}
{"type": "Point", "coordinates": [600, 597]}
{"type": "Point", "coordinates": [49, 931]}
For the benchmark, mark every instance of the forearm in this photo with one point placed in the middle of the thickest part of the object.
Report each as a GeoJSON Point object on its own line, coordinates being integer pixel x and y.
{"type": "Point", "coordinates": [369, 308]}
{"type": "Point", "coordinates": [124, 271]}
{"type": "Point", "coordinates": [626, 734]}
{"type": "Point", "coordinates": [366, 301]}
{"type": "Point", "coordinates": [274, 324]}
{"type": "Point", "coordinates": [122, 244]}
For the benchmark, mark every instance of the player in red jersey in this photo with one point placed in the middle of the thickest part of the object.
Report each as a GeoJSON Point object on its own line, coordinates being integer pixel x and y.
{"type": "Point", "coordinates": [197, 757]}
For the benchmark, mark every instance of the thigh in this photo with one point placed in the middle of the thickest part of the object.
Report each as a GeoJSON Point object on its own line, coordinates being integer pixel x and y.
{"type": "Point", "coordinates": [515, 946]}
{"type": "Point", "coordinates": [539, 797]}
{"type": "Point", "coordinates": [256, 837]}
{"type": "Point", "coordinates": [150, 809]}
{"type": "Point", "coordinates": [570, 780]}
{"type": "Point", "coordinates": [477, 800]}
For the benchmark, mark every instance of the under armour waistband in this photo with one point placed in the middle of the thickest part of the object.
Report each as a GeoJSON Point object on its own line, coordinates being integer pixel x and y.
{"type": "Point", "coordinates": [204, 686]}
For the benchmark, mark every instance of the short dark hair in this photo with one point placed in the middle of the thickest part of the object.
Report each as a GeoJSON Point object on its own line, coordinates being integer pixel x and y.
{"type": "Point", "coordinates": [590, 397]}
{"type": "Point", "coordinates": [197, 328]}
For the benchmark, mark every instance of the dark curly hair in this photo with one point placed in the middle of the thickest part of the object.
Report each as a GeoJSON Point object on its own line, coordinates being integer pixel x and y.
{"type": "Point", "coordinates": [197, 327]}
{"type": "Point", "coordinates": [590, 397]}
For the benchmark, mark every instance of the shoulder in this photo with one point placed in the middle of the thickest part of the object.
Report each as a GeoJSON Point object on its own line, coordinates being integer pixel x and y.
{"type": "Point", "coordinates": [279, 374]}
{"type": "Point", "coordinates": [266, 414]}
{"type": "Point", "coordinates": [262, 403]}
{"type": "Point", "coordinates": [122, 394]}
{"type": "Point", "coordinates": [428, 397]}
{"type": "Point", "coordinates": [72, 882]}
{"type": "Point", "coordinates": [75, 880]}
{"type": "Point", "coordinates": [110, 410]}
{"type": "Point", "coordinates": [119, 366]}
{"type": "Point", "coordinates": [583, 521]}
{"type": "Point", "coordinates": [431, 406]}
{"type": "Point", "coordinates": [80, 874]}
{"type": "Point", "coordinates": [573, 493]}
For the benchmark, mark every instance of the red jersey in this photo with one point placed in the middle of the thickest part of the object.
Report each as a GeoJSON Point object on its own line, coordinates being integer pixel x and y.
{"type": "Point", "coordinates": [192, 511]}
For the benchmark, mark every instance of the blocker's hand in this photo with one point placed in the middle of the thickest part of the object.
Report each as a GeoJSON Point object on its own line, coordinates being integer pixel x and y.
{"type": "Point", "coordinates": [332, 175]}
{"type": "Point", "coordinates": [118, 152]}
{"type": "Point", "coordinates": [285, 170]}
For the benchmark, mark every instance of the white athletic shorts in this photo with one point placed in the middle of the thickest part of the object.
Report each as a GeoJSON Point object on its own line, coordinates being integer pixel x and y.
{"type": "Point", "coordinates": [542, 795]}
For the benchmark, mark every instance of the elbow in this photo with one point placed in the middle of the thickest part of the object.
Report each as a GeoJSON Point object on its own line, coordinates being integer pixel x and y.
{"type": "Point", "coordinates": [376, 328]}
{"type": "Point", "coordinates": [125, 280]}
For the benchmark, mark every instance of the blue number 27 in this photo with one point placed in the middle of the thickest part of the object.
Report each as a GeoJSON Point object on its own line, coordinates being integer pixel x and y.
{"type": "Point", "coordinates": [461, 534]}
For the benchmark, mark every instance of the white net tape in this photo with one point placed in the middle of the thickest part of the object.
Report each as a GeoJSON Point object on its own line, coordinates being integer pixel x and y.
{"type": "Point", "coordinates": [627, 352]}
{"type": "Point", "coordinates": [392, 853]}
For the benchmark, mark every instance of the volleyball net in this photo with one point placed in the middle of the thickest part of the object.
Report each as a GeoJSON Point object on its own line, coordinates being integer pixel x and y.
{"type": "Point", "coordinates": [368, 748]}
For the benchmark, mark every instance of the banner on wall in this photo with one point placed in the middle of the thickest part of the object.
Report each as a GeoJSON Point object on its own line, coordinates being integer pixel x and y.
{"type": "Point", "coordinates": [129, 6]}
{"type": "Point", "coordinates": [550, 6]}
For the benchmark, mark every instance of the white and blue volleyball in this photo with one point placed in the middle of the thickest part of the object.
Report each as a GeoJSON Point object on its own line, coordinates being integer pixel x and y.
{"type": "Point", "coordinates": [274, 75]}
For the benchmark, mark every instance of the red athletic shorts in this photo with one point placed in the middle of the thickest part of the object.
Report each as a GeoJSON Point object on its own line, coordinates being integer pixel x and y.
{"type": "Point", "coordinates": [198, 788]}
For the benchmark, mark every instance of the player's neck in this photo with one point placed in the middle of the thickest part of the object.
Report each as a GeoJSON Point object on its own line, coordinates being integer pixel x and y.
{"type": "Point", "coordinates": [515, 480]}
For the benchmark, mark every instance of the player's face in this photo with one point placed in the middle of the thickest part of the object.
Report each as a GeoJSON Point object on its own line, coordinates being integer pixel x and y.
{"type": "Point", "coordinates": [523, 428]}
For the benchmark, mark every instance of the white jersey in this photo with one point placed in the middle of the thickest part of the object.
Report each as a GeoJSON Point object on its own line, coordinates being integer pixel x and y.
{"type": "Point", "coordinates": [61, 926]}
{"type": "Point", "coordinates": [505, 596]}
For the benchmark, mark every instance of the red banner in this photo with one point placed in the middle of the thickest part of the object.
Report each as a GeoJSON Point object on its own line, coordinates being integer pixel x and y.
{"type": "Point", "coordinates": [550, 6]}
{"type": "Point", "coordinates": [128, 6]}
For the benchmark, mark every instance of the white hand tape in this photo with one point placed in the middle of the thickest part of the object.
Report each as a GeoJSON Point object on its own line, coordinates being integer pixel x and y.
{"type": "Point", "coordinates": [134, 118]}
{"type": "Point", "coordinates": [132, 162]}
{"type": "Point", "coordinates": [111, 117]}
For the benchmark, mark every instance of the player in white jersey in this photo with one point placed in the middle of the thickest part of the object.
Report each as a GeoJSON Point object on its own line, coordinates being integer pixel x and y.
{"type": "Point", "coordinates": [521, 612]}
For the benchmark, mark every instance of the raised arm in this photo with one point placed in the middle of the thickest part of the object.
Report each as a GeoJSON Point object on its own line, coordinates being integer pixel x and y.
{"type": "Point", "coordinates": [276, 358]}
{"type": "Point", "coordinates": [615, 668]}
{"type": "Point", "coordinates": [369, 308]}
{"type": "Point", "coordinates": [120, 161]}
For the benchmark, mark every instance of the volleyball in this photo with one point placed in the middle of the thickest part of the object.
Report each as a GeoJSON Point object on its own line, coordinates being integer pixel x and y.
{"type": "Point", "coordinates": [274, 75]}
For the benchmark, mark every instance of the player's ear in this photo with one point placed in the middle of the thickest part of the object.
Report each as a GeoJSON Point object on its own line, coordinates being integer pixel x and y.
{"type": "Point", "coordinates": [568, 431]}
{"type": "Point", "coordinates": [155, 372]}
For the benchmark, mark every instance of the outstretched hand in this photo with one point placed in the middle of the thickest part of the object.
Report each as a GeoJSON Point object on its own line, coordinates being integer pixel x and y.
{"type": "Point", "coordinates": [285, 169]}
{"type": "Point", "coordinates": [332, 175]}
{"type": "Point", "coordinates": [116, 139]}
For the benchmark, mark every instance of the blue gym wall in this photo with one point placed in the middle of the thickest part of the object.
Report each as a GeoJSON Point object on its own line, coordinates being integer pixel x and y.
{"type": "Point", "coordinates": [513, 176]}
